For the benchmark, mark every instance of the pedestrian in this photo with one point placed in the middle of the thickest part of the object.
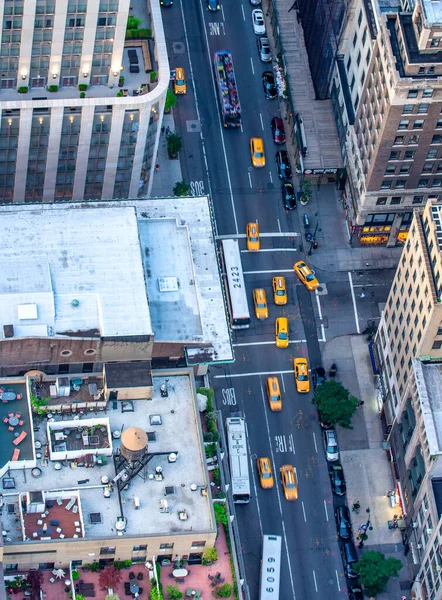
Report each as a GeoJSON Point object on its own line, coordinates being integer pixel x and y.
{"type": "Point", "coordinates": [167, 130]}
{"type": "Point", "coordinates": [361, 403]}
{"type": "Point", "coordinates": [163, 130]}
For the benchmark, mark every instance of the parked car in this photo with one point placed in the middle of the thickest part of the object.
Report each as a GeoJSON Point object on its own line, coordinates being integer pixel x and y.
{"type": "Point", "coordinates": [337, 479]}
{"type": "Point", "coordinates": [288, 196]}
{"type": "Point", "coordinates": [318, 376]}
{"type": "Point", "coordinates": [330, 445]}
{"type": "Point", "coordinates": [268, 83]}
{"type": "Point", "coordinates": [343, 523]}
{"type": "Point", "coordinates": [283, 165]}
{"type": "Point", "coordinates": [278, 132]}
{"type": "Point", "coordinates": [259, 26]}
{"type": "Point", "coordinates": [265, 54]}
{"type": "Point", "coordinates": [356, 593]}
{"type": "Point", "coordinates": [350, 558]}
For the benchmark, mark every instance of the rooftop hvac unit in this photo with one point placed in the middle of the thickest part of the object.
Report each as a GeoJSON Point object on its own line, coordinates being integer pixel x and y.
{"type": "Point", "coordinates": [62, 386]}
{"type": "Point", "coordinates": [136, 503]}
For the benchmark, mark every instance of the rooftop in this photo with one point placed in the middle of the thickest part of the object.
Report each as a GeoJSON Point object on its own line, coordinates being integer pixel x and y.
{"type": "Point", "coordinates": [87, 251]}
{"type": "Point", "coordinates": [429, 388]}
{"type": "Point", "coordinates": [436, 213]}
{"type": "Point", "coordinates": [433, 11]}
{"type": "Point", "coordinates": [15, 421]}
{"type": "Point", "coordinates": [114, 497]}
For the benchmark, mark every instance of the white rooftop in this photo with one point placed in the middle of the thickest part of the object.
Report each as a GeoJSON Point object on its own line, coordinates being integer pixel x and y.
{"type": "Point", "coordinates": [178, 414]}
{"type": "Point", "coordinates": [429, 388]}
{"type": "Point", "coordinates": [433, 11]}
{"type": "Point", "coordinates": [65, 269]}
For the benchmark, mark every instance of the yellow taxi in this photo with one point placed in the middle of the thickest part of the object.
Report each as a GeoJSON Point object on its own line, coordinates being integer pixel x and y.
{"type": "Point", "coordinates": [257, 152]}
{"type": "Point", "coordinates": [265, 473]}
{"type": "Point", "coordinates": [273, 393]}
{"type": "Point", "coordinates": [289, 482]}
{"type": "Point", "coordinates": [282, 332]}
{"type": "Point", "coordinates": [260, 302]}
{"type": "Point", "coordinates": [252, 232]}
{"type": "Point", "coordinates": [302, 379]}
{"type": "Point", "coordinates": [306, 275]}
{"type": "Point", "coordinates": [279, 290]}
{"type": "Point", "coordinates": [179, 82]}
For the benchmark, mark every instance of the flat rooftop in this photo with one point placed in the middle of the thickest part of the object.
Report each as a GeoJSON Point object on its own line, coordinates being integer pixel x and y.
{"type": "Point", "coordinates": [429, 388]}
{"type": "Point", "coordinates": [433, 11]}
{"type": "Point", "coordinates": [132, 246]}
{"type": "Point", "coordinates": [76, 499]}
{"type": "Point", "coordinates": [72, 271]}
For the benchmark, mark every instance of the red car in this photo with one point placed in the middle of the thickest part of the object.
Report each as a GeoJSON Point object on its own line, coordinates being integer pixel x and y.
{"type": "Point", "coordinates": [278, 130]}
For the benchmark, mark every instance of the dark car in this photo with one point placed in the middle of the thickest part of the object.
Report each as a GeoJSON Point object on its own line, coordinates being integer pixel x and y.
{"type": "Point", "coordinates": [318, 376]}
{"type": "Point", "coordinates": [350, 558]}
{"type": "Point", "coordinates": [356, 593]}
{"type": "Point", "coordinates": [278, 132]}
{"type": "Point", "coordinates": [166, 2]}
{"type": "Point", "coordinates": [288, 196]}
{"type": "Point", "coordinates": [213, 5]}
{"type": "Point", "coordinates": [268, 83]}
{"type": "Point", "coordinates": [337, 479]}
{"type": "Point", "coordinates": [343, 523]}
{"type": "Point", "coordinates": [283, 165]}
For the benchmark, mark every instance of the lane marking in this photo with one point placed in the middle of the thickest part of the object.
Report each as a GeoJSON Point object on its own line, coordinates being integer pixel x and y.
{"type": "Point", "coordinates": [242, 344]}
{"type": "Point", "coordinates": [283, 383]}
{"type": "Point", "coordinates": [259, 374]}
{"type": "Point", "coordinates": [314, 441]}
{"type": "Point", "coordinates": [253, 68]}
{"type": "Point", "coordinates": [278, 494]}
{"type": "Point", "coordinates": [303, 510]}
{"type": "Point", "coordinates": [266, 272]}
{"type": "Point", "coordinates": [222, 10]}
{"type": "Point", "coordinates": [272, 250]}
{"type": "Point", "coordinates": [325, 508]}
{"type": "Point", "coordinates": [279, 224]}
{"type": "Point", "coordinates": [318, 302]}
{"type": "Point", "coordinates": [237, 236]}
{"type": "Point", "coordinates": [337, 580]}
{"type": "Point", "coordinates": [271, 181]}
{"type": "Point", "coordinates": [314, 579]}
{"type": "Point", "coordinates": [243, 14]}
{"type": "Point", "coordinates": [260, 116]}
{"type": "Point", "coordinates": [354, 302]}
{"type": "Point", "coordinates": [250, 178]}
{"type": "Point", "coordinates": [229, 182]}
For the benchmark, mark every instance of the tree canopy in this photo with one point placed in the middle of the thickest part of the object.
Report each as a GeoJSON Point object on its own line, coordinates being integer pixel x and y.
{"type": "Point", "coordinates": [335, 403]}
{"type": "Point", "coordinates": [181, 188]}
{"type": "Point", "coordinates": [375, 570]}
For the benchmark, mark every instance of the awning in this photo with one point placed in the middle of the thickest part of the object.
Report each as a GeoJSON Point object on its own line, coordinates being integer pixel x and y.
{"type": "Point", "coordinates": [373, 358]}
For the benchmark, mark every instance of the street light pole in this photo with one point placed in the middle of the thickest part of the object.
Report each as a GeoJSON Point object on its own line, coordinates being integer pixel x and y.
{"type": "Point", "coordinates": [313, 238]}
{"type": "Point", "coordinates": [363, 537]}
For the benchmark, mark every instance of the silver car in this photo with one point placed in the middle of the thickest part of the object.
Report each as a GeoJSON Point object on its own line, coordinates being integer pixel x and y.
{"type": "Point", "coordinates": [330, 445]}
{"type": "Point", "coordinates": [255, 2]}
{"type": "Point", "coordinates": [265, 54]}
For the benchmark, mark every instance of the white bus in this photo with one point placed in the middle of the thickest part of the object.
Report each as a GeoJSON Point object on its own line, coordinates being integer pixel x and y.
{"type": "Point", "coordinates": [234, 284]}
{"type": "Point", "coordinates": [238, 459]}
{"type": "Point", "coordinates": [270, 567]}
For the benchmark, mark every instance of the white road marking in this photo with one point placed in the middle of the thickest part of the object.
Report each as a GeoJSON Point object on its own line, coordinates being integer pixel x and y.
{"type": "Point", "coordinates": [314, 441]}
{"type": "Point", "coordinates": [242, 344]}
{"type": "Point", "coordinates": [279, 224]}
{"type": "Point", "coordinates": [272, 250]}
{"type": "Point", "coordinates": [271, 181]}
{"type": "Point", "coordinates": [283, 383]}
{"type": "Point", "coordinates": [318, 302]}
{"type": "Point", "coordinates": [257, 374]}
{"type": "Point", "coordinates": [216, 100]}
{"type": "Point", "coordinates": [236, 236]}
{"type": "Point", "coordinates": [253, 68]}
{"type": "Point", "coordinates": [222, 10]}
{"type": "Point", "coordinates": [260, 116]}
{"type": "Point", "coordinates": [243, 14]}
{"type": "Point", "coordinates": [325, 508]}
{"type": "Point", "coordinates": [354, 302]}
{"type": "Point", "coordinates": [250, 178]}
{"type": "Point", "coordinates": [337, 580]}
{"type": "Point", "coordinates": [314, 579]}
{"type": "Point", "coordinates": [303, 510]}
{"type": "Point", "coordinates": [279, 496]}
{"type": "Point", "coordinates": [242, 130]}
{"type": "Point", "coordinates": [266, 272]}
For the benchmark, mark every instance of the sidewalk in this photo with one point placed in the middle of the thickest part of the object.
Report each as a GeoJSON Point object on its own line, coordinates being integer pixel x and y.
{"type": "Point", "coordinates": [169, 171]}
{"type": "Point", "coordinates": [366, 467]}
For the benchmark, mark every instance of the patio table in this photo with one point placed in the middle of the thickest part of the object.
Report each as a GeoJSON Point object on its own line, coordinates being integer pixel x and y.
{"type": "Point", "coordinates": [180, 573]}
{"type": "Point", "coordinates": [13, 421]}
{"type": "Point", "coordinates": [6, 396]}
{"type": "Point", "coordinates": [134, 588]}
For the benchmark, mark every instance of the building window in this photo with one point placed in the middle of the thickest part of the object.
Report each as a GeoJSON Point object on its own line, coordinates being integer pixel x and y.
{"type": "Point", "coordinates": [422, 71]}
{"type": "Point", "coordinates": [409, 154]}
{"type": "Point", "coordinates": [405, 169]}
{"type": "Point", "coordinates": [412, 93]}
{"type": "Point", "coordinates": [414, 139]}
{"type": "Point", "coordinates": [439, 124]}
{"type": "Point", "coordinates": [381, 201]}
{"type": "Point", "coordinates": [166, 546]}
{"type": "Point", "coordinates": [427, 168]}
{"type": "Point", "coordinates": [399, 139]}
{"type": "Point", "coordinates": [427, 93]}
{"type": "Point", "coordinates": [352, 84]}
{"type": "Point", "coordinates": [423, 182]}
{"type": "Point", "coordinates": [434, 43]}
{"type": "Point", "coordinates": [358, 60]}
{"type": "Point", "coordinates": [386, 185]}
{"type": "Point", "coordinates": [390, 170]}
{"type": "Point", "coordinates": [418, 199]}
{"type": "Point", "coordinates": [356, 102]}
{"type": "Point", "coordinates": [400, 184]}
{"type": "Point", "coordinates": [362, 77]}
{"type": "Point", "coordinates": [198, 544]}
{"type": "Point", "coordinates": [403, 124]}
{"type": "Point", "coordinates": [395, 155]}
{"type": "Point", "coordinates": [436, 183]}
{"type": "Point", "coordinates": [396, 199]}
{"type": "Point", "coordinates": [348, 63]}
{"type": "Point", "coordinates": [360, 19]}
{"type": "Point", "coordinates": [107, 550]}
{"type": "Point", "coordinates": [355, 40]}
{"type": "Point", "coordinates": [407, 109]}
{"type": "Point", "coordinates": [11, 567]}
{"type": "Point", "coordinates": [418, 124]}
{"type": "Point", "coordinates": [423, 108]}
{"type": "Point", "coordinates": [364, 37]}
{"type": "Point", "coordinates": [139, 548]}
{"type": "Point", "coordinates": [367, 60]}
{"type": "Point", "coordinates": [439, 168]}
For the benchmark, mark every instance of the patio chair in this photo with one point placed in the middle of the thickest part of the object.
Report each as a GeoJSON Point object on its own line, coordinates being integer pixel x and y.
{"type": "Point", "coordinates": [189, 593]}
{"type": "Point", "coordinates": [10, 415]}
{"type": "Point", "coordinates": [140, 576]}
{"type": "Point", "coordinates": [10, 428]}
{"type": "Point", "coordinates": [21, 423]}
{"type": "Point", "coordinates": [51, 580]}
{"type": "Point", "coordinates": [198, 594]}
{"type": "Point", "coordinates": [5, 420]}
{"type": "Point", "coordinates": [18, 397]}
{"type": "Point", "coordinates": [18, 415]}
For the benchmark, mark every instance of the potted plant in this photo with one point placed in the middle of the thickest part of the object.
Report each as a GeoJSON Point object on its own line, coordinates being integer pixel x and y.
{"type": "Point", "coordinates": [53, 88]}
{"type": "Point", "coordinates": [75, 575]}
{"type": "Point", "coordinates": [153, 76]}
{"type": "Point", "coordinates": [210, 556]}
{"type": "Point", "coordinates": [306, 192]}
{"type": "Point", "coordinates": [181, 188]}
{"type": "Point", "coordinates": [127, 564]}
{"type": "Point", "coordinates": [174, 144]}
{"type": "Point", "coordinates": [121, 81]}
{"type": "Point", "coordinates": [82, 95]}
{"type": "Point", "coordinates": [82, 87]}
{"type": "Point", "coordinates": [23, 89]}
{"type": "Point", "coordinates": [119, 94]}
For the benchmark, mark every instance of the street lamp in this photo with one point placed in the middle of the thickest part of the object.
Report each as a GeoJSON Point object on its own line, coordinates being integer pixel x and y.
{"type": "Point", "coordinates": [363, 537]}
{"type": "Point", "coordinates": [313, 238]}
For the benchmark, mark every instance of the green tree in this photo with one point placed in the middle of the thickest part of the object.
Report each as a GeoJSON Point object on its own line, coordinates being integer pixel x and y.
{"type": "Point", "coordinates": [375, 571]}
{"type": "Point", "coordinates": [223, 591]}
{"type": "Point", "coordinates": [173, 593]}
{"type": "Point", "coordinates": [174, 144]}
{"type": "Point", "coordinates": [171, 100]}
{"type": "Point", "coordinates": [181, 188]}
{"type": "Point", "coordinates": [335, 403]}
{"type": "Point", "coordinates": [133, 22]}
{"type": "Point", "coordinates": [210, 555]}
{"type": "Point", "coordinates": [220, 513]}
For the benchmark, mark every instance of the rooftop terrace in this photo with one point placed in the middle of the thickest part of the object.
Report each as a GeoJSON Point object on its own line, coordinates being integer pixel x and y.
{"type": "Point", "coordinates": [94, 492]}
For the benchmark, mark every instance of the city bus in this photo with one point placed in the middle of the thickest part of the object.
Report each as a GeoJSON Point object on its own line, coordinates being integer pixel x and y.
{"type": "Point", "coordinates": [270, 567]}
{"type": "Point", "coordinates": [236, 296]}
{"type": "Point", "coordinates": [238, 459]}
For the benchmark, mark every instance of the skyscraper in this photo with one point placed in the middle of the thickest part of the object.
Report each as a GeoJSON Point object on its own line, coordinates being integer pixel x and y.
{"type": "Point", "coordinates": [79, 110]}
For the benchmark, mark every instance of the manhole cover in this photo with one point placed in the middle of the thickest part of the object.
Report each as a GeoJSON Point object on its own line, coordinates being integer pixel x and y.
{"type": "Point", "coordinates": [193, 126]}
{"type": "Point", "coordinates": [322, 290]}
{"type": "Point", "coordinates": [178, 47]}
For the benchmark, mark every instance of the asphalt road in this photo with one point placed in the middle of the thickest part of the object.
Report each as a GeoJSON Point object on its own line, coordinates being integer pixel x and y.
{"type": "Point", "coordinates": [217, 161]}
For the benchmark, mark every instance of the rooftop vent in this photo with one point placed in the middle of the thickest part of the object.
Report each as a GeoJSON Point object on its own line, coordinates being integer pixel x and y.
{"type": "Point", "coordinates": [8, 331]}
{"type": "Point", "coordinates": [168, 284]}
{"type": "Point", "coordinates": [27, 311]}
